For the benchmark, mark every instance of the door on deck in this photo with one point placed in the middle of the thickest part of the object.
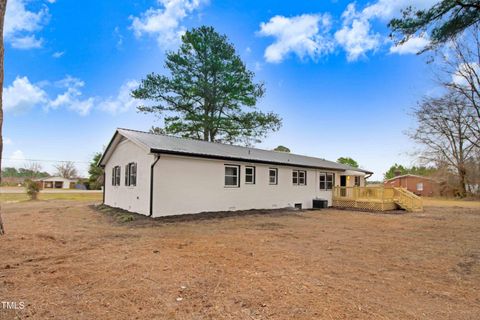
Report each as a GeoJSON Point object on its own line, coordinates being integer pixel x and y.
{"type": "Point", "coordinates": [343, 185]}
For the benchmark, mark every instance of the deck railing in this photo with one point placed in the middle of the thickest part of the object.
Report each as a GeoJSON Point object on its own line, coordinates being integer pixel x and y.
{"type": "Point", "coordinates": [363, 193]}
{"type": "Point", "coordinates": [400, 196]}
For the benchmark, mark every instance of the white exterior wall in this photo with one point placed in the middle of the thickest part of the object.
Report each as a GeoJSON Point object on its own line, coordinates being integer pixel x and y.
{"type": "Point", "coordinates": [190, 185]}
{"type": "Point", "coordinates": [131, 198]}
{"type": "Point", "coordinates": [351, 178]}
{"type": "Point", "coordinates": [65, 181]}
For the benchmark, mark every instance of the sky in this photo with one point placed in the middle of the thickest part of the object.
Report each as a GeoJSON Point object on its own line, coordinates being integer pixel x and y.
{"type": "Point", "coordinates": [341, 86]}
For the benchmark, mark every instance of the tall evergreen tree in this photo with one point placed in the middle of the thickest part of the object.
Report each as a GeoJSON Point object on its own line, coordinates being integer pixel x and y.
{"type": "Point", "coordinates": [209, 95]}
{"type": "Point", "coordinates": [441, 22]}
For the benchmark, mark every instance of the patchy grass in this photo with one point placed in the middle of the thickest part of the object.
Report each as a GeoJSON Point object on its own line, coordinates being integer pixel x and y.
{"type": "Point", "coordinates": [439, 202]}
{"type": "Point", "coordinates": [71, 195]}
{"type": "Point", "coordinates": [118, 215]}
{"type": "Point", "coordinates": [68, 261]}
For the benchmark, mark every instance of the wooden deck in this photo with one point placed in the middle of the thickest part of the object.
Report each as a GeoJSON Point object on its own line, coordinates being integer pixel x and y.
{"type": "Point", "coordinates": [376, 198]}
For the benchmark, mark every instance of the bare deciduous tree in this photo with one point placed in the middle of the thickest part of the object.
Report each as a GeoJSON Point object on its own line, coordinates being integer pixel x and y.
{"type": "Point", "coordinates": [34, 168]}
{"type": "Point", "coordinates": [66, 170]}
{"type": "Point", "coordinates": [3, 7]}
{"type": "Point", "coordinates": [461, 74]}
{"type": "Point", "coordinates": [443, 129]}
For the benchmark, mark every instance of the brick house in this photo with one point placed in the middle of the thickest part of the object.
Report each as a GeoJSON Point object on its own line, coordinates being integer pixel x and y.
{"type": "Point", "coordinates": [420, 185]}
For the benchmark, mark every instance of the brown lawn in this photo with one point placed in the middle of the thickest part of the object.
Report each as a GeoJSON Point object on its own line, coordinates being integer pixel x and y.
{"type": "Point", "coordinates": [65, 260]}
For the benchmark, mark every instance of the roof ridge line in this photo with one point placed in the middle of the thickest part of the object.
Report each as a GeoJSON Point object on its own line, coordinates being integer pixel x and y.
{"type": "Point", "coordinates": [223, 144]}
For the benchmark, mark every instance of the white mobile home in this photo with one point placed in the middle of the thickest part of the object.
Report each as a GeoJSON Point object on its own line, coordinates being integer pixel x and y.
{"type": "Point", "coordinates": [158, 175]}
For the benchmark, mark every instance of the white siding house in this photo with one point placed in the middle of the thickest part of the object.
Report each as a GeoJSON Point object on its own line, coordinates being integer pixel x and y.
{"type": "Point", "coordinates": [158, 175]}
{"type": "Point", "coordinates": [56, 183]}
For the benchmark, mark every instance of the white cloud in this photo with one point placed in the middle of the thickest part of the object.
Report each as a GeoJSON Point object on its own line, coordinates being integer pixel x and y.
{"type": "Point", "coordinates": [15, 159]}
{"type": "Point", "coordinates": [123, 101]}
{"type": "Point", "coordinates": [305, 36]}
{"type": "Point", "coordinates": [71, 98]}
{"type": "Point", "coordinates": [412, 46]}
{"type": "Point", "coordinates": [17, 155]}
{"type": "Point", "coordinates": [27, 42]}
{"type": "Point", "coordinates": [356, 36]}
{"type": "Point", "coordinates": [7, 141]}
{"type": "Point", "coordinates": [22, 95]}
{"type": "Point", "coordinates": [466, 71]}
{"type": "Point", "coordinates": [20, 23]}
{"type": "Point", "coordinates": [58, 54]}
{"type": "Point", "coordinates": [387, 9]}
{"type": "Point", "coordinates": [165, 23]}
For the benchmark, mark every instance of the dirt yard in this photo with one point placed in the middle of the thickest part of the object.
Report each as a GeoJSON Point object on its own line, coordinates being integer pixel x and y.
{"type": "Point", "coordinates": [65, 260]}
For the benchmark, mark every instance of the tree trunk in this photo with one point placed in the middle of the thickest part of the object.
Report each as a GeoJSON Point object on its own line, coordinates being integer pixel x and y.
{"type": "Point", "coordinates": [3, 8]}
{"type": "Point", "coordinates": [462, 174]}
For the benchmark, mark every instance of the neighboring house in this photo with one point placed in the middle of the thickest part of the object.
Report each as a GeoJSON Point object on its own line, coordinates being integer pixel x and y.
{"type": "Point", "coordinates": [420, 185]}
{"type": "Point", "coordinates": [158, 175]}
{"type": "Point", "coordinates": [56, 183]}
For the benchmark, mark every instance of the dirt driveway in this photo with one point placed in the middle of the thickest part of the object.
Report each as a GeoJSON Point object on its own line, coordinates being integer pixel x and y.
{"type": "Point", "coordinates": [65, 260]}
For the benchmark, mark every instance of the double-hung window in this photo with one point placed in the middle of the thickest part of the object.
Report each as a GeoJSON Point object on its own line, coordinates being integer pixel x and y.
{"type": "Point", "coordinates": [232, 176]}
{"type": "Point", "coordinates": [131, 174]}
{"type": "Point", "coordinates": [116, 176]}
{"type": "Point", "coordinates": [299, 177]}
{"type": "Point", "coordinates": [273, 176]}
{"type": "Point", "coordinates": [249, 175]}
{"type": "Point", "coordinates": [326, 181]}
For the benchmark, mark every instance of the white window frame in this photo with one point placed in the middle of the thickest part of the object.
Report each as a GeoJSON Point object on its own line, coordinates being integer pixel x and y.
{"type": "Point", "coordinates": [252, 175]}
{"type": "Point", "coordinates": [297, 177]}
{"type": "Point", "coordinates": [131, 174]}
{"type": "Point", "coordinates": [116, 174]}
{"type": "Point", "coordinates": [275, 182]}
{"type": "Point", "coordinates": [237, 176]}
{"type": "Point", "coordinates": [326, 181]}
{"type": "Point", "coordinates": [419, 184]}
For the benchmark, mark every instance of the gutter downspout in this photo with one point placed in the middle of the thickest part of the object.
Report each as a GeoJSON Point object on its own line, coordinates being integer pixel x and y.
{"type": "Point", "coordinates": [152, 167]}
{"type": "Point", "coordinates": [104, 187]}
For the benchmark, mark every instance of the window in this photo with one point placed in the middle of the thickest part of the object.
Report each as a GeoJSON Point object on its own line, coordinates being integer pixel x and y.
{"type": "Point", "coordinates": [357, 181]}
{"type": "Point", "coordinates": [299, 177]}
{"type": "Point", "coordinates": [131, 174]}
{"type": "Point", "coordinates": [326, 181]}
{"type": "Point", "coordinates": [302, 178]}
{"type": "Point", "coordinates": [420, 186]}
{"type": "Point", "coordinates": [116, 176]}
{"type": "Point", "coordinates": [249, 175]}
{"type": "Point", "coordinates": [273, 176]}
{"type": "Point", "coordinates": [231, 176]}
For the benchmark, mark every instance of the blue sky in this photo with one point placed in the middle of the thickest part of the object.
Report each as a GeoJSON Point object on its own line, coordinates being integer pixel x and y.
{"type": "Point", "coordinates": [340, 85]}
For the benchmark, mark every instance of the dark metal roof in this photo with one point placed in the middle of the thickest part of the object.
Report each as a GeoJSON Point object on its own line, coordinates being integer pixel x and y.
{"type": "Point", "coordinates": [157, 143]}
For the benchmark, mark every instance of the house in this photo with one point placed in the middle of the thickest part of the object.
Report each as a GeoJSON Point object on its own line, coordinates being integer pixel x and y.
{"type": "Point", "coordinates": [158, 175]}
{"type": "Point", "coordinates": [56, 183]}
{"type": "Point", "coordinates": [419, 185]}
